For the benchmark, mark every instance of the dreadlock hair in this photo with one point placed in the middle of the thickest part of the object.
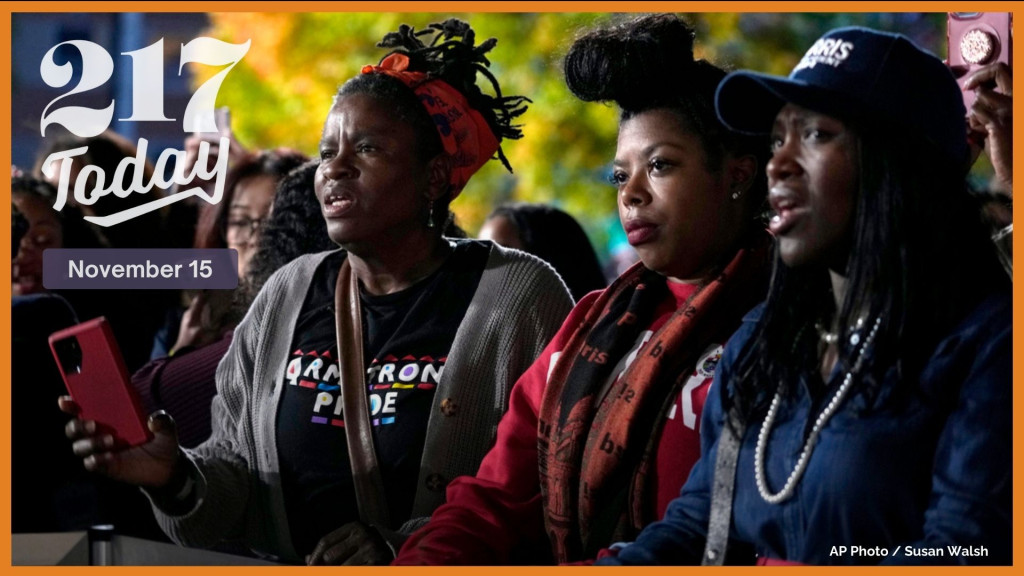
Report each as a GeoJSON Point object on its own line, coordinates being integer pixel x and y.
{"type": "Point", "coordinates": [295, 227]}
{"type": "Point", "coordinates": [648, 63]}
{"type": "Point", "coordinates": [450, 56]}
{"type": "Point", "coordinates": [919, 260]}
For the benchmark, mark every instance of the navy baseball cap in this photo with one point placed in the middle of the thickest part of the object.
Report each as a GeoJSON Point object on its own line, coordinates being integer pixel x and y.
{"type": "Point", "coordinates": [859, 73]}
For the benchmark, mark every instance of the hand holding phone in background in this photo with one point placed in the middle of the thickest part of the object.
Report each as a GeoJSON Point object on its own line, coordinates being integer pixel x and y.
{"type": "Point", "coordinates": [976, 40]}
{"type": "Point", "coordinates": [219, 117]}
{"type": "Point", "coordinates": [980, 56]}
{"type": "Point", "coordinates": [236, 151]}
{"type": "Point", "coordinates": [990, 121]}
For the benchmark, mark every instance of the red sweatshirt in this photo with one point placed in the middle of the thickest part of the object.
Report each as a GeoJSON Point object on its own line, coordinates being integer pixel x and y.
{"type": "Point", "coordinates": [487, 518]}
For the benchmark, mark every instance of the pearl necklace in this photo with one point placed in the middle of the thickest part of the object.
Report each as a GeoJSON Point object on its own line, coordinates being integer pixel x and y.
{"type": "Point", "coordinates": [829, 338]}
{"type": "Point", "coordinates": [812, 439]}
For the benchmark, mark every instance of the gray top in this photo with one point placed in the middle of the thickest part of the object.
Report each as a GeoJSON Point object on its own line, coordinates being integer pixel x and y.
{"type": "Point", "coordinates": [519, 304]}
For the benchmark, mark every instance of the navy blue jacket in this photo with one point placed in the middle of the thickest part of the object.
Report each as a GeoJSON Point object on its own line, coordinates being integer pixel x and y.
{"type": "Point", "coordinates": [926, 483]}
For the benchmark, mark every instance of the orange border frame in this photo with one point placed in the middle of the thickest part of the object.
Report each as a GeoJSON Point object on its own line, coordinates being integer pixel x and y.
{"type": "Point", "coordinates": [453, 6]}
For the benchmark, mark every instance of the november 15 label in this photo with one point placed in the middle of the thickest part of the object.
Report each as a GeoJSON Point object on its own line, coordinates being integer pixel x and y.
{"type": "Point", "coordinates": [135, 268]}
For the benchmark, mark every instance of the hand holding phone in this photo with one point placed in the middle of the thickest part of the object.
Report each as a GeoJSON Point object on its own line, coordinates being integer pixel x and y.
{"type": "Point", "coordinates": [990, 121]}
{"type": "Point", "coordinates": [95, 375]}
{"type": "Point", "coordinates": [109, 432]}
{"type": "Point", "coordinates": [976, 40]}
{"type": "Point", "coordinates": [152, 464]}
{"type": "Point", "coordinates": [220, 118]}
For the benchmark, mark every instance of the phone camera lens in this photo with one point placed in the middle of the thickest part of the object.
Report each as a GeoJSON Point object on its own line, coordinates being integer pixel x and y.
{"type": "Point", "coordinates": [977, 46]}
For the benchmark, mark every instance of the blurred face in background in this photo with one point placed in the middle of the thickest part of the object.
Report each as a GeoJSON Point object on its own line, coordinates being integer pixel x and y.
{"type": "Point", "coordinates": [250, 207]}
{"type": "Point", "coordinates": [501, 230]}
{"type": "Point", "coordinates": [44, 231]}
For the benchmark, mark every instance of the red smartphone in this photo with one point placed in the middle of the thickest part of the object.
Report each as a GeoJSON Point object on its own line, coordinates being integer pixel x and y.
{"type": "Point", "coordinates": [95, 375]}
{"type": "Point", "coordinates": [978, 39]}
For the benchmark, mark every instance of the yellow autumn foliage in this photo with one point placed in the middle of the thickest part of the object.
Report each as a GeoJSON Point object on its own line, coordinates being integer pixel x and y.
{"type": "Point", "coordinates": [280, 92]}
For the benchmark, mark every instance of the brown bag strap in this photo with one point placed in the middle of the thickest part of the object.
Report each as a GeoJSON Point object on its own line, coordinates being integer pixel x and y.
{"type": "Point", "coordinates": [369, 487]}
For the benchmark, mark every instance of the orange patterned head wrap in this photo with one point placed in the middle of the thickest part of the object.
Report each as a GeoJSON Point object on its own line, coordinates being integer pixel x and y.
{"type": "Point", "coordinates": [465, 134]}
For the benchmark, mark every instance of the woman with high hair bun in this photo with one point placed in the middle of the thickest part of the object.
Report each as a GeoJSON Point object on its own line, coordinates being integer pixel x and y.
{"type": "Point", "coordinates": [863, 412]}
{"type": "Point", "coordinates": [362, 380]}
{"type": "Point", "coordinates": [602, 430]}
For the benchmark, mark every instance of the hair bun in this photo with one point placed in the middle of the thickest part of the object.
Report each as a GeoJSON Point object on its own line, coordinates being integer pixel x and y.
{"type": "Point", "coordinates": [633, 64]}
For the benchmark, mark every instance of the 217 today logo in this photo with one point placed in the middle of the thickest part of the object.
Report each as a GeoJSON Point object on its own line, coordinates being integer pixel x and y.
{"type": "Point", "coordinates": [147, 106]}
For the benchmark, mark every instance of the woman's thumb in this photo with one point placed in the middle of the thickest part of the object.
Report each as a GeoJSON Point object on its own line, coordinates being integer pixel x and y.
{"type": "Point", "coordinates": [161, 423]}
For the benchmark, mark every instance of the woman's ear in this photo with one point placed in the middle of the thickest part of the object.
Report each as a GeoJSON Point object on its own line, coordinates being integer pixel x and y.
{"type": "Point", "coordinates": [741, 171]}
{"type": "Point", "coordinates": [439, 179]}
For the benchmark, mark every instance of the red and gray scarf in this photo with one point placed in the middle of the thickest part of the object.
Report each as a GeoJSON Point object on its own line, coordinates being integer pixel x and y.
{"type": "Point", "coordinates": [595, 453]}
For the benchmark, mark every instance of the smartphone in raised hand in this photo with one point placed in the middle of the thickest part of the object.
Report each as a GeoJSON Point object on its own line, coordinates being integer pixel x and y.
{"type": "Point", "coordinates": [977, 39]}
{"type": "Point", "coordinates": [221, 118]}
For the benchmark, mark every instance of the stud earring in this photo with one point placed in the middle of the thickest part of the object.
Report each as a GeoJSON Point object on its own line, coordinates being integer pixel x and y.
{"type": "Point", "coordinates": [430, 214]}
{"type": "Point", "coordinates": [736, 193]}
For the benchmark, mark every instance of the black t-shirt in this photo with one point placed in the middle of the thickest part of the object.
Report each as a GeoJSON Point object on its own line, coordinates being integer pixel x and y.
{"type": "Point", "coordinates": [406, 339]}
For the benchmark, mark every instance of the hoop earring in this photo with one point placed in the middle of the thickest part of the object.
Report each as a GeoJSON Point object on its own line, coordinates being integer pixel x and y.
{"type": "Point", "coordinates": [430, 214]}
